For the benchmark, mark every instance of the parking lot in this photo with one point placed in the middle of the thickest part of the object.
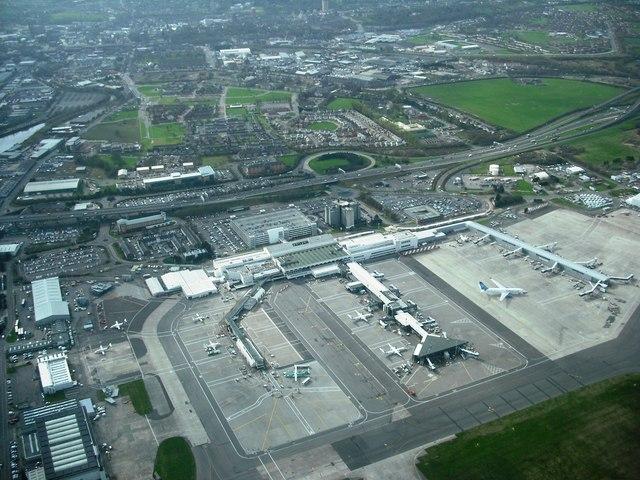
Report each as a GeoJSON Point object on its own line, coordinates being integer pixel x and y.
{"type": "Point", "coordinates": [495, 355]}
{"type": "Point", "coordinates": [79, 261]}
{"type": "Point", "coordinates": [216, 230]}
{"type": "Point", "coordinates": [160, 243]}
{"type": "Point", "coordinates": [446, 205]}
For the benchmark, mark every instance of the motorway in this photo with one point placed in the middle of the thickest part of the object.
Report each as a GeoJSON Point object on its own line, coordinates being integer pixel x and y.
{"type": "Point", "coordinates": [558, 131]}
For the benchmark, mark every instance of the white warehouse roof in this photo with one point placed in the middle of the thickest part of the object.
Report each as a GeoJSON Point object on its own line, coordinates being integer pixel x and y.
{"type": "Point", "coordinates": [634, 201]}
{"type": "Point", "coordinates": [52, 185]}
{"type": "Point", "coordinates": [47, 299]}
{"type": "Point", "coordinates": [54, 372]}
{"type": "Point", "coordinates": [193, 283]}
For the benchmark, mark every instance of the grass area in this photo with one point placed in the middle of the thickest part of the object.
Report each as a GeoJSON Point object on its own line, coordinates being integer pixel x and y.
{"type": "Point", "coordinates": [524, 187]}
{"type": "Point", "coordinates": [323, 125]}
{"type": "Point", "coordinates": [517, 106]}
{"type": "Point", "coordinates": [12, 336]}
{"type": "Point", "coordinates": [290, 159]}
{"type": "Point", "coordinates": [170, 133]}
{"type": "Point", "coordinates": [506, 168]}
{"type": "Point", "coordinates": [237, 112]}
{"type": "Point", "coordinates": [151, 90]}
{"type": "Point", "coordinates": [216, 161]}
{"type": "Point", "coordinates": [343, 103]}
{"type": "Point", "coordinates": [174, 460]}
{"type": "Point", "coordinates": [123, 131]}
{"type": "Point", "coordinates": [580, 7]}
{"type": "Point", "coordinates": [137, 393]}
{"type": "Point", "coordinates": [62, 18]}
{"type": "Point", "coordinates": [589, 433]}
{"type": "Point", "coordinates": [252, 96]}
{"type": "Point", "coordinates": [119, 161]}
{"type": "Point", "coordinates": [331, 162]}
{"type": "Point", "coordinates": [424, 38]}
{"type": "Point", "coordinates": [610, 147]}
{"type": "Point", "coordinates": [122, 115]}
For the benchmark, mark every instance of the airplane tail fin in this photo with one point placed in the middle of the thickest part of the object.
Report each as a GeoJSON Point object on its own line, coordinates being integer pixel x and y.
{"type": "Point", "coordinates": [482, 286]}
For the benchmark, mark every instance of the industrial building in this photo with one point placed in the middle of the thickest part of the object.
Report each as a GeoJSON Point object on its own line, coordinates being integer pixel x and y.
{"type": "Point", "coordinates": [10, 249]}
{"type": "Point", "coordinates": [54, 373]}
{"type": "Point", "coordinates": [48, 305]}
{"type": "Point", "coordinates": [58, 442]}
{"type": "Point", "coordinates": [342, 214]}
{"type": "Point", "coordinates": [69, 185]}
{"type": "Point", "coordinates": [192, 283]}
{"type": "Point", "coordinates": [273, 227]}
{"type": "Point", "coordinates": [205, 173]}
{"type": "Point", "coordinates": [127, 225]}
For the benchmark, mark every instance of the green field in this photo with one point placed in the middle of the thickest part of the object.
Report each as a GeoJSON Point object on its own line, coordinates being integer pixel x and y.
{"type": "Point", "coordinates": [324, 125]}
{"type": "Point", "coordinates": [524, 187]}
{"type": "Point", "coordinates": [122, 115]}
{"type": "Point", "coordinates": [506, 168]}
{"type": "Point", "coordinates": [215, 161]}
{"type": "Point", "coordinates": [151, 90]}
{"type": "Point", "coordinates": [123, 131]}
{"type": "Point", "coordinates": [137, 393]}
{"type": "Point", "coordinates": [608, 148]}
{"type": "Point", "coordinates": [424, 38]}
{"type": "Point", "coordinates": [343, 103]}
{"type": "Point", "coordinates": [580, 7]}
{"type": "Point", "coordinates": [170, 133]}
{"type": "Point", "coordinates": [251, 96]}
{"type": "Point", "coordinates": [174, 460]}
{"type": "Point", "coordinates": [515, 106]}
{"type": "Point", "coordinates": [331, 162]}
{"type": "Point", "coordinates": [237, 112]}
{"type": "Point", "coordinates": [290, 159]}
{"type": "Point", "coordinates": [592, 433]}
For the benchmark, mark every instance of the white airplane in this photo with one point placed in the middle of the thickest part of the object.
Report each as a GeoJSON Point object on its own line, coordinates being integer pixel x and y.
{"type": "Point", "coordinates": [198, 318]}
{"type": "Point", "coordinates": [501, 290]}
{"type": "Point", "coordinates": [119, 325]}
{"type": "Point", "coordinates": [393, 350]}
{"type": "Point", "coordinates": [360, 317]}
{"type": "Point", "coordinates": [212, 347]}
{"type": "Point", "coordinates": [102, 350]}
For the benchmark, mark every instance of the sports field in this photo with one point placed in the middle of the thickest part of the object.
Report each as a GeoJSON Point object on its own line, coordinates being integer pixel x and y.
{"type": "Point", "coordinates": [323, 125]}
{"type": "Point", "coordinates": [251, 96]}
{"type": "Point", "coordinates": [590, 433]}
{"type": "Point", "coordinates": [515, 105]}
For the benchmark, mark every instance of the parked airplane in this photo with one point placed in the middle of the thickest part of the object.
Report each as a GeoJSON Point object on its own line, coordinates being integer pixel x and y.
{"type": "Point", "coordinates": [393, 350]}
{"type": "Point", "coordinates": [501, 290]}
{"type": "Point", "coordinates": [103, 350]}
{"type": "Point", "coordinates": [119, 325]}
{"type": "Point", "coordinates": [360, 317]}
{"type": "Point", "coordinates": [198, 318]}
{"type": "Point", "coordinates": [212, 347]}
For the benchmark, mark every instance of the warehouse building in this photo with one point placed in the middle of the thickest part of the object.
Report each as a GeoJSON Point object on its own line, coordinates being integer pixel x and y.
{"type": "Point", "coordinates": [54, 373]}
{"type": "Point", "coordinates": [69, 185]}
{"type": "Point", "coordinates": [273, 227]}
{"type": "Point", "coordinates": [58, 443]}
{"type": "Point", "coordinates": [192, 283]}
{"type": "Point", "coordinates": [127, 225]}
{"type": "Point", "coordinates": [48, 305]}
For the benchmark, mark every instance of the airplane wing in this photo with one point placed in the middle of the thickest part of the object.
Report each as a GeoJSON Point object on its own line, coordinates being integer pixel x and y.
{"type": "Point", "coordinates": [503, 296]}
{"type": "Point", "coordinates": [498, 284]}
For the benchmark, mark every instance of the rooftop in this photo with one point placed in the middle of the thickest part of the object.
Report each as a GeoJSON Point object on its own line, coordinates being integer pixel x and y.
{"type": "Point", "coordinates": [288, 218]}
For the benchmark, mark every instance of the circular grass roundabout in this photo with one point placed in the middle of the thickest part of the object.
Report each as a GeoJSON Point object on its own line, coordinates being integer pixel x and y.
{"type": "Point", "coordinates": [330, 163]}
